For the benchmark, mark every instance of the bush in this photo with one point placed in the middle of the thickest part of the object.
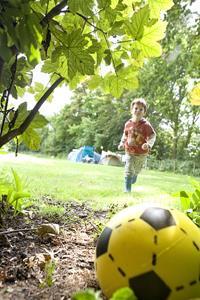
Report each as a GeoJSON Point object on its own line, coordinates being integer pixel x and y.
{"type": "Point", "coordinates": [177, 166]}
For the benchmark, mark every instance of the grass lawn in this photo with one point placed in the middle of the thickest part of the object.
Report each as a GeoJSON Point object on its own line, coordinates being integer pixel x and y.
{"type": "Point", "coordinates": [98, 185]}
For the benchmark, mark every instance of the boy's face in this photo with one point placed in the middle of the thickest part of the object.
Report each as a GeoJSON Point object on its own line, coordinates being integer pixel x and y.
{"type": "Point", "coordinates": [138, 111]}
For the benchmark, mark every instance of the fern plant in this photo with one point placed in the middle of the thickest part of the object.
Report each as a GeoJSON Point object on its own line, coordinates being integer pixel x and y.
{"type": "Point", "coordinates": [190, 202]}
{"type": "Point", "coordinates": [13, 193]}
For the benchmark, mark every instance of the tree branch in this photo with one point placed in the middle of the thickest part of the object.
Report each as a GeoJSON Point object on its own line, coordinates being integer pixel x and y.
{"type": "Point", "coordinates": [53, 12]}
{"type": "Point", "coordinates": [18, 131]}
{"type": "Point", "coordinates": [17, 230]}
{"type": "Point", "coordinates": [86, 20]}
{"type": "Point", "coordinates": [1, 67]}
{"type": "Point", "coordinates": [13, 70]}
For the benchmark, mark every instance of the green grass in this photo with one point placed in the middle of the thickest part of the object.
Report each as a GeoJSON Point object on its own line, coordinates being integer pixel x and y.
{"type": "Point", "coordinates": [98, 185]}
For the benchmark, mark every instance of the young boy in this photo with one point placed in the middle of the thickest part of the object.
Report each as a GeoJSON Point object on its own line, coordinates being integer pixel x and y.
{"type": "Point", "coordinates": [137, 140]}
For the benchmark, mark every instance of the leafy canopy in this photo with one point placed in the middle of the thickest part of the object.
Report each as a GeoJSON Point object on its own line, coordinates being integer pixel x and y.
{"type": "Point", "coordinates": [75, 40]}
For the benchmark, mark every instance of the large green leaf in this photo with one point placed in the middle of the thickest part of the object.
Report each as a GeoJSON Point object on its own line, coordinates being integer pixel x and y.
{"type": "Point", "coordinates": [31, 139]}
{"type": "Point", "coordinates": [76, 49]}
{"type": "Point", "coordinates": [115, 84]}
{"type": "Point", "coordinates": [22, 114]}
{"type": "Point", "coordinates": [39, 121]}
{"type": "Point", "coordinates": [155, 32]}
{"type": "Point", "coordinates": [79, 59]}
{"type": "Point", "coordinates": [158, 6]}
{"type": "Point", "coordinates": [135, 26]}
{"type": "Point", "coordinates": [148, 43]}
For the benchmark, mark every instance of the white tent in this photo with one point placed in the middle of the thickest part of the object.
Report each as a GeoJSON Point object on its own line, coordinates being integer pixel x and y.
{"type": "Point", "coordinates": [110, 158]}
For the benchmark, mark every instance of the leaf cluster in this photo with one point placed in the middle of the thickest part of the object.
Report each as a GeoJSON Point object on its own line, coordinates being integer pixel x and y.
{"type": "Point", "coordinates": [13, 194]}
{"type": "Point", "coordinates": [89, 294]}
{"type": "Point", "coordinates": [190, 202]}
{"type": "Point", "coordinates": [75, 40]}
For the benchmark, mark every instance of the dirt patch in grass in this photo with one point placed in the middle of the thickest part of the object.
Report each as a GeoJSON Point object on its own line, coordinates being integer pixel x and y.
{"type": "Point", "coordinates": [24, 254]}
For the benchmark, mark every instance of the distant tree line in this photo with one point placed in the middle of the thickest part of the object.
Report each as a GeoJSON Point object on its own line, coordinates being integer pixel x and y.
{"type": "Point", "coordinates": [97, 119]}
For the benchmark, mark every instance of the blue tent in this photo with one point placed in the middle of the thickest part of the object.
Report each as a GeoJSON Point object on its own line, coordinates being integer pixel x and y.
{"type": "Point", "coordinates": [84, 154]}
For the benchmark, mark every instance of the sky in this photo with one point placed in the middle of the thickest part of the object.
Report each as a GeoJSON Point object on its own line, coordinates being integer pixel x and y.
{"type": "Point", "coordinates": [61, 95]}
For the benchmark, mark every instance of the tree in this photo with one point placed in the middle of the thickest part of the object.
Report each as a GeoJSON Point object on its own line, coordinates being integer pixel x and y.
{"type": "Point", "coordinates": [73, 39]}
{"type": "Point", "coordinates": [90, 119]}
{"type": "Point", "coordinates": [165, 83]}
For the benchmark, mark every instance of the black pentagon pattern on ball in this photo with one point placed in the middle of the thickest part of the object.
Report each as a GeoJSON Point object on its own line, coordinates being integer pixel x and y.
{"type": "Point", "coordinates": [149, 286]}
{"type": "Point", "coordinates": [102, 243]}
{"type": "Point", "coordinates": [158, 217]}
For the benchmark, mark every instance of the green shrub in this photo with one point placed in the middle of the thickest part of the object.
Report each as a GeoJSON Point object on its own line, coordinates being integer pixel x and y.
{"type": "Point", "coordinates": [89, 294]}
{"type": "Point", "coordinates": [190, 202]}
{"type": "Point", "coordinates": [177, 166]}
{"type": "Point", "coordinates": [12, 193]}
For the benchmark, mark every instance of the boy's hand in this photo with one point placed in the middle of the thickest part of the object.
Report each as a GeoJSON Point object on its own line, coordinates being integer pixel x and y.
{"type": "Point", "coordinates": [145, 146]}
{"type": "Point", "coordinates": [120, 147]}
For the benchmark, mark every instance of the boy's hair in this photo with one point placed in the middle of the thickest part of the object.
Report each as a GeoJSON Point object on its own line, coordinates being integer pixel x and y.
{"type": "Point", "coordinates": [140, 101]}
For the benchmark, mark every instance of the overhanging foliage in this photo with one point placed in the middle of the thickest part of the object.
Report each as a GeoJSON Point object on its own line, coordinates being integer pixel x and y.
{"type": "Point", "coordinates": [75, 40]}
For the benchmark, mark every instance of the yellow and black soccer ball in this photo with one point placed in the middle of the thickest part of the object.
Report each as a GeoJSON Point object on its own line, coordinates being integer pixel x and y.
{"type": "Point", "coordinates": [153, 250]}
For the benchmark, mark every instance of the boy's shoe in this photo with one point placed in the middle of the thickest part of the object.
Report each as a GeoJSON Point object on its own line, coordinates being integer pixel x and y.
{"type": "Point", "coordinates": [127, 186]}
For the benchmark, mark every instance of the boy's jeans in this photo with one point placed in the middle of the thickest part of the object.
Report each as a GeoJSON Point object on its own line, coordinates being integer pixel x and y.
{"type": "Point", "coordinates": [133, 166]}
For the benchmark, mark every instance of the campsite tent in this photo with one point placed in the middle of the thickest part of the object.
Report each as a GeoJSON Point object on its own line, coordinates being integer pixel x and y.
{"type": "Point", "coordinates": [110, 158]}
{"type": "Point", "coordinates": [84, 154]}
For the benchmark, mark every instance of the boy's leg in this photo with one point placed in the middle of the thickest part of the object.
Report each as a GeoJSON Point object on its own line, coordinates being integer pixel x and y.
{"type": "Point", "coordinates": [133, 179]}
{"type": "Point", "coordinates": [128, 178]}
{"type": "Point", "coordinates": [137, 165]}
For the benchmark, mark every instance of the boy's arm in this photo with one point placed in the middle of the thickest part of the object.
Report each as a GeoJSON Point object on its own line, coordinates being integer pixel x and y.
{"type": "Point", "coordinates": [151, 140]}
{"type": "Point", "coordinates": [122, 142]}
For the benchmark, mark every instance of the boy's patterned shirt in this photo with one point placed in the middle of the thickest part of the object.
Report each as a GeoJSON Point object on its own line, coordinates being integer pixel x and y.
{"type": "Point", "coordinates": [136, 134]}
